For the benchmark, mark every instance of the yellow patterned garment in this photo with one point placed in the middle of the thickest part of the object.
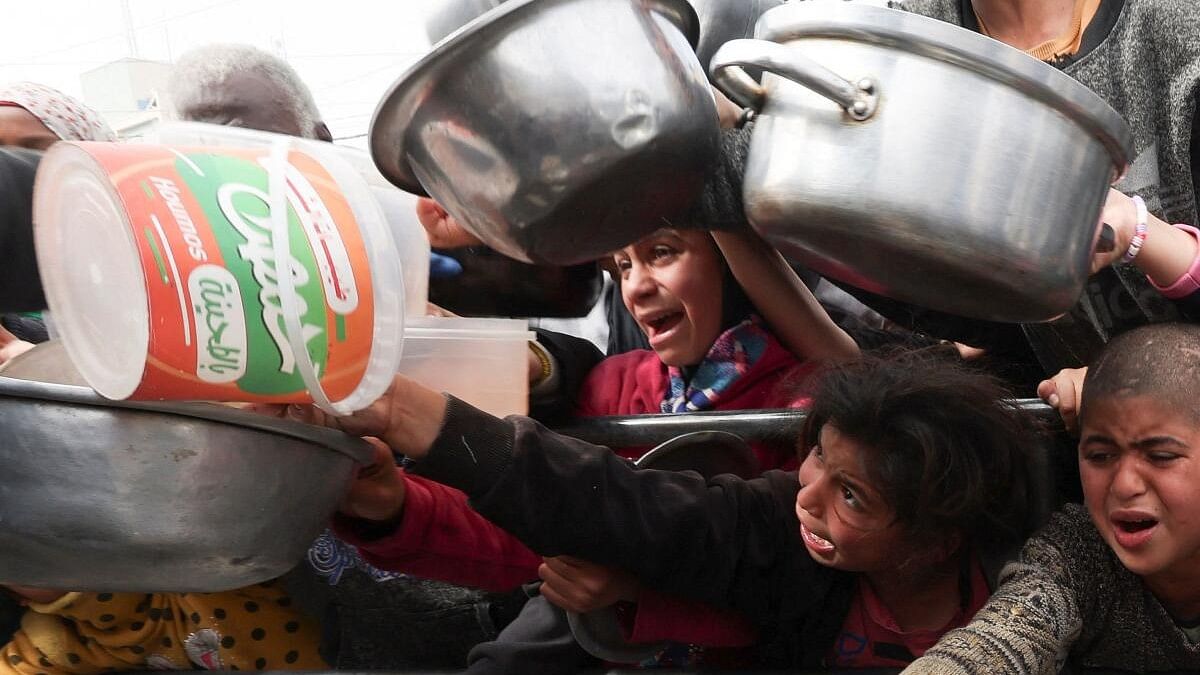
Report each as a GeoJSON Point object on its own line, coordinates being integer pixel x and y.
{"type": "Point", "coordinates": [253, 628]}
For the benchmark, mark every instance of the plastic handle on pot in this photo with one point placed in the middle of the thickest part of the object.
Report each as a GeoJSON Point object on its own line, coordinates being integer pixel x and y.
{"type": "Point", "coordinates": [858, 100]}
{"type": "Point", "coordinates": [288, 300]}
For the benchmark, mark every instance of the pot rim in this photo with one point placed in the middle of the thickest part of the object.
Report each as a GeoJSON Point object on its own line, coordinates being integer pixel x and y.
{"type": "Point", "coordinates": [395, 110]}
{"type": "Point", "coordinates": [355, 448]}
{"type": "Point", "coordinates": [926, 36]}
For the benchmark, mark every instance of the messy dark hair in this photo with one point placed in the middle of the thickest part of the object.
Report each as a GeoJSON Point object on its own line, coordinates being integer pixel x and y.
{"type": "Point", "coordinates": [1160, 360]}
{"type": "Point", "coordinates": [946, 449]}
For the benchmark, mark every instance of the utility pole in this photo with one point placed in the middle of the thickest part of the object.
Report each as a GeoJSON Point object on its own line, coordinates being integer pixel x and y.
{"type": "Point", "coordinates": [130, 36]}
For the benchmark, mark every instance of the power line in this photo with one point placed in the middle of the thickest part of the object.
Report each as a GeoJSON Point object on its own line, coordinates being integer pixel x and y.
{"type": "Point", "coordinates": [141, 27]}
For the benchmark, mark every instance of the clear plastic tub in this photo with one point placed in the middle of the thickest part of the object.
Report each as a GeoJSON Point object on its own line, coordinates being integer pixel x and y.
{"type": "Point", "coordinates": [481, 361]}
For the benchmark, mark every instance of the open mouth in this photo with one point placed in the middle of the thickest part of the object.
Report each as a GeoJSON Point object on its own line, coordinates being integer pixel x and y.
{"type": "Point", "coordinates": [1132, 526]}
{"type": "Point", "coordinates": [662, 323]}
{"type": "Point", "coordinates": [815, 542]}
{"type": "Point", "coordinates": [1133, 532]}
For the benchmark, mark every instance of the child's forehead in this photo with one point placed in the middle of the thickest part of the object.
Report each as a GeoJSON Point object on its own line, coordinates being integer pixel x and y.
{"type": "Point", "coordinates": [1145, 411]}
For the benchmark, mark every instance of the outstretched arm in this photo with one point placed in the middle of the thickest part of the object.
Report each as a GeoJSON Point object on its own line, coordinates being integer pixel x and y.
{"type": "Point", "coordinates": [797, 319]}
{"type": "Point", "coordinates": [1027, 626]}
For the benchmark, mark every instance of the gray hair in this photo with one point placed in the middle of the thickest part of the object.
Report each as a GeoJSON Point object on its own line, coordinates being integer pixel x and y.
{"type": "Point", "coordinates": [211, 64]}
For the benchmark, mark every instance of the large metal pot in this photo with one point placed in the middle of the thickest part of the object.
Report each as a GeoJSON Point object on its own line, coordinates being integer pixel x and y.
{"type": "Point", "coordinates": [555, 130]}
{"type": "Point", "coordinates": [124, 496]}
{"type": "Point", "coordinates": [720, 20]}
{"type": "Point", "coordinates": [922, 161]}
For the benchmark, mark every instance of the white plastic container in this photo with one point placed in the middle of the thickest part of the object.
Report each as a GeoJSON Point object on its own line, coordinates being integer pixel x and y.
{"type": "Point", "coordinates": [399, 207]}
{"type": "Point", "coordinates": [481, 361]}
{"type": "Point", "coordinates": [161, 263]}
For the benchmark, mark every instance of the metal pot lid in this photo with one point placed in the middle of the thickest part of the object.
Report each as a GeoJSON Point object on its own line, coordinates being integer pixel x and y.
{"type": "Point", "coordinates": [395, 111]}
{"type": "Point", "coordinates": [924, 36]}
{"type": "Point", "coordinates": [355, 448]}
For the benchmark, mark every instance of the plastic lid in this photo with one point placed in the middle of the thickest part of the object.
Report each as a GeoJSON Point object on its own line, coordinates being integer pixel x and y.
{"type": "Point", "coordinates": [91, 271]}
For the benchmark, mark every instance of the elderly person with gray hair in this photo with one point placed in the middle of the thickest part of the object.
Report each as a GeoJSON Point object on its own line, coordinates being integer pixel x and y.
{"type": "Point", "coordinates": [243, 86]}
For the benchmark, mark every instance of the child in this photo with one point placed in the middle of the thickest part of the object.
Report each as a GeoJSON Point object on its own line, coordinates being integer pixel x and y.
{"type": "Point", "coordinates": [252, 628]}
{"type": "Point", "coordinates": [916, 475]}
{"type": "Point", "coordinates": [1115, 584]}
{"type": "Point", "coordinates": [710, 351]}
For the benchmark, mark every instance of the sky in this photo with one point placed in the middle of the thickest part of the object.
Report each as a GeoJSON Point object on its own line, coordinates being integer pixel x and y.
{"type": "Point", "coordinates": [347, 51]}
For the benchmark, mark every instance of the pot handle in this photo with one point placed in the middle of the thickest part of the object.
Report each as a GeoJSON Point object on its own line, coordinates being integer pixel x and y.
{"type": "Point", "coordinates": [859, 100]}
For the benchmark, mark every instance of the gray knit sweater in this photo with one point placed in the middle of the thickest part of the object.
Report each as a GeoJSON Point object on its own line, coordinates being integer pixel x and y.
{"type": "Point", "coordinates": [1067, 598]}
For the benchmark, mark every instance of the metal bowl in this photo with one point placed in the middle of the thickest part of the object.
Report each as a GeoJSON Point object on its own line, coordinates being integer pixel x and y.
{"type": "Point", "coordinates": [922, 161]}
{"type": "Point", "coordinates": [556, 130]}
{"type": "Point", "coordinates": [122, 496]}
{"type": "Point", "coordinates": [720, 20]}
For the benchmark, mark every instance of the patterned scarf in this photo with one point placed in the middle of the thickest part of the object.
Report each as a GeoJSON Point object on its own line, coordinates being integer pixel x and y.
{"type": "Point", "coordinates": [69, 119]}
{"type": "Point", "coordinates": [731, 356]}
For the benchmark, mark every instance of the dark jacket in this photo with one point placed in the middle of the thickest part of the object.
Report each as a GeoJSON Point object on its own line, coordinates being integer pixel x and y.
{"type": "Point", "coordinates": [730, 542]}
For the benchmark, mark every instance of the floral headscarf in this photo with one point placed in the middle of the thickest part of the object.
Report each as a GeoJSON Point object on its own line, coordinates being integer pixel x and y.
{"type": "Point", "coordinates": [70, 119]}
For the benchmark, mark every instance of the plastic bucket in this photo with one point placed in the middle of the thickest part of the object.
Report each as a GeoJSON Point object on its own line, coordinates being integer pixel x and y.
{"type": "Point", "coordinates": [162, 267]}
{"type": "Point", "coordinates": [399, 208]}
{"type": "Point", "coordinates": [481, 361]}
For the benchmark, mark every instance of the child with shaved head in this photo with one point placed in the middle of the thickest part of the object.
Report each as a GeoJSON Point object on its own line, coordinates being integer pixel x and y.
{"type": "Point", "coordinates": [1113, 584]}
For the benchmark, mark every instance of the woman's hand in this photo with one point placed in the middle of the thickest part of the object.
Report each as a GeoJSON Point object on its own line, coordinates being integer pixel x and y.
{"type": "Point", "coordinates": [1166, 253]}
{"type": "Point", "coordinates": [407, 417]}
{"type": "Point", "coordinates": [1120, 214]}
{"type": "Point", "coordinates": [378, 490]}
{"type": "Point", "coordinates": [580, 586]}
{"type": "Point", "coordinates": [443, 229]}
{"type": "Point", "coordinates": [1064, 392]}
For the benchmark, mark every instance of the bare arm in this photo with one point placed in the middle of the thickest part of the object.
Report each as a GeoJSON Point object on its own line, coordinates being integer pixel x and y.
{"type": "Point", "coordinates": [1168, 252]}
{"type": "Point", "coordinates": [796, 317]}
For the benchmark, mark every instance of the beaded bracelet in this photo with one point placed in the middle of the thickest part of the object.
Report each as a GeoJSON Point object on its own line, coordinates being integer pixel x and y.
{"type": "Point", "coordinates": [1139, 231]}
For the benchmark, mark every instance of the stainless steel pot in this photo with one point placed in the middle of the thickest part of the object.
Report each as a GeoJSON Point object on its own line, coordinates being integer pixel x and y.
{"type": "Point", "coordinates": [922, 161]}
{"type": "Point", "coordinates": [125, 496]}
{"type": "Point", "coordinates": [720, 20]}
{"type": "Point", "coordinates": [555, 130]}
{"type": "Point", "coordinates": [443, 17]}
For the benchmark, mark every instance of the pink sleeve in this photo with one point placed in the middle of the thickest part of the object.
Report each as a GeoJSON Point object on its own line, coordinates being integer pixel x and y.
{"type": "Point", "coordinates": [667, 617]}
{"type": "Point", "coordinates": [1189, 281]}
{"type": "Point", "coordinates": [441, 537]}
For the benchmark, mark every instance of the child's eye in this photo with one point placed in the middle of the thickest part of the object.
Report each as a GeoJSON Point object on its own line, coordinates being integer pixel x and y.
{"type": "Point", "coordinates": [850, 498]}
{"type": "Point", "coordinates": [1097, 456]}
{"type": "Point", "coordinates": [1163, 457]}
{"type": "Point", "coordinates": [661, 252]}
{"type": "Point", "coordinates": [623, 264]}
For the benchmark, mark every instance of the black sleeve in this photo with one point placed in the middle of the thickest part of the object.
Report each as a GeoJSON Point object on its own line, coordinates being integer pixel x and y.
{"type": "Point", "coordinates": [20, 285]}
{"type": "Point", "coordinates": [575, 358]}
{"type": "Point", "coordinates": [726, 541]}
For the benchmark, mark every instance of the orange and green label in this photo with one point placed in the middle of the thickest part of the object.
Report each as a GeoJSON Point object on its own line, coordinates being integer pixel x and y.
{"type": "Point", "coordinates": [204, 231]}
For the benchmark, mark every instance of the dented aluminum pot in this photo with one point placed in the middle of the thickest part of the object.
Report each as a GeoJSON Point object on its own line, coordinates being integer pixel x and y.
{"type": "Point", "coordinates": [556, 130]}
{"type": "Point", "coordinates": [922, 161]}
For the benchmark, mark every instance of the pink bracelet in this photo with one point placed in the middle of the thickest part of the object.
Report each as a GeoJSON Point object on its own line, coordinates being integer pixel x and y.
{"type": "Point", "coordinates": [1139, 230]}
{"type": "Point", "coordinates": [1189, 281]}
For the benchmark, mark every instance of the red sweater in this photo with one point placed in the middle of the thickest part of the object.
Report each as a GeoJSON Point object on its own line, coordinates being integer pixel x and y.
{"type": "Point", "coordinates": [441, 537]}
